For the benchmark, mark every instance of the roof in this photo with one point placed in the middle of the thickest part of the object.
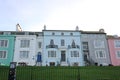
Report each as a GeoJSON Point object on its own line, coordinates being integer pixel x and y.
{"type": "Point", "coordinates": [113, 37]}
{"type": "Point", "coordinates": [20, 33]}
{"type": "Point", "coordinates": [63, 30]}
{"type": "Point", "coordinates": [92, 32]}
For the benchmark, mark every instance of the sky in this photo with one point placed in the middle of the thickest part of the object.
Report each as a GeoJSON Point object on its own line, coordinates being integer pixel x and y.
{"type": "Point", "coordinates": [88, 15]}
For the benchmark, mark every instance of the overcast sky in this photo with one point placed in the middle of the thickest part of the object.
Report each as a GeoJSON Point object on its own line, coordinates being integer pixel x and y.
{"type": "Point", "coordinates": [89, 15]}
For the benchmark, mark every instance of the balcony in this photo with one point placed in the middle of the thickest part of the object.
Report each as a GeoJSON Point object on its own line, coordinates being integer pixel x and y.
{"type": "Point", "coordinates": [52, 46]}
{"type": "Point", "coordinates": [73, 46]}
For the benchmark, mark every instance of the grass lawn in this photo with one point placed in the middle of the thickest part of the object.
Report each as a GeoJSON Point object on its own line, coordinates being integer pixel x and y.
{"type": "Point", "coordinates": [63, 73]}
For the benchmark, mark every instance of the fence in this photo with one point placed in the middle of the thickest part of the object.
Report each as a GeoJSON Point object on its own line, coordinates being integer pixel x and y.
{"type": "Point", "coordinates": [4, 73]}
{"type": "Point", "coordinates": [63, 73]}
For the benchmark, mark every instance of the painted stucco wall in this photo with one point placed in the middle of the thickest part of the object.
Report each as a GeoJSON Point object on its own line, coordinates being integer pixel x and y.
{"type": "Point", "coordinates": [57, 41]}
{"type": "Point", "coordinates": [39, 40]}
{"type": "Point", "coordinates": [115, 61]}
{"type": "Point", "coordinates": [9, 49]}
{"type": "Point", "coordinates": [90, 38]}
{"type": "Point", "coordinates": [32, 49]}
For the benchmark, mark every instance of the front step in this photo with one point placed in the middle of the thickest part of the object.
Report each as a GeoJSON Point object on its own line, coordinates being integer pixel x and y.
{"type": "Point", "coordinates": [63, 64]}
{"type": "Point", "coordinates": [38, 64]}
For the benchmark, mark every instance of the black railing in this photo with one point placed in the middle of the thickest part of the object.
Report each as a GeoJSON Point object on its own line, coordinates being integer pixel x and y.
{"type": "Point", "coordinates": [75, 46]}
{"type": "Point", "coordinates": [63, 73]}
{"type": "Point", "coordinates": [4, 72]}
{"type": "Point", "coordinates": [52, 46]}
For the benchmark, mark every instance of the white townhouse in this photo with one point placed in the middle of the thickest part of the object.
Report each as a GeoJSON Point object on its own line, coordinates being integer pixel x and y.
{"type": "Point", "coordinates": [25, 48]}
{"type": "Point", "coordinates": [39, 48]}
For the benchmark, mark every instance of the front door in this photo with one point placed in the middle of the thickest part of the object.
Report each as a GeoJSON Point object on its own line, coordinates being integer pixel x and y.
{"type": "Point", "coordinates": [63, 56]}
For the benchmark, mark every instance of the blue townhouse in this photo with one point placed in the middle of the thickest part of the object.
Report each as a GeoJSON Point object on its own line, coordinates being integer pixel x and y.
{"type": "Point", "coordinates": [62, 47]}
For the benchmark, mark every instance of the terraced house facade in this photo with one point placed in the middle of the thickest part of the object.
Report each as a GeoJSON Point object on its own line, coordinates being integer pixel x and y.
{"type": "Point", "coordinates": [114, 49]}
{"type": "Point", "coordinates": [95, 48]}
{"type": "Point", "coordinates": [62, 48]}
{"type": "Point", "coordinates": [6, 48]}
{"type": "Point", "coordinates": [57, 47]}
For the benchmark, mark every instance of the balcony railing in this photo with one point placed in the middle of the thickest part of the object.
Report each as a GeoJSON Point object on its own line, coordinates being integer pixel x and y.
{"type": "Point", "coordinates": [75, 46]}
{"type": "Point", "coordinates": [52, 46]}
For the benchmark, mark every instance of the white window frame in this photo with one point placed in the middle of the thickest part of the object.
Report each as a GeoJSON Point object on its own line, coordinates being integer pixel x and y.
{"type": "Point", "coordinates": [3, 53]}
{"type": "Point", "coordinates": [98, 54]}
{"type": "Point", "coordinates": [39, 44]}
{"type": "Point", "coordinates": [118, 53]}
{"type": "Point", "coordinates": [62, 42]}
{"type": "Point", "coordinates": [99, 44]}
{"type": "Point", "coordinates": [74, 53]}
{"type": "Point", "coordinates": [24, 43]}
{"type": "Point", "coordinates": [4, 44]}
{"type": "Point", "coordinates": [23, 54]}
{"type": "Point", "coordinates": [117, 43]}
{"type": "Point", "coordinates": [52, 54]}
{"type": "Point", "coordinates": [85, 45]}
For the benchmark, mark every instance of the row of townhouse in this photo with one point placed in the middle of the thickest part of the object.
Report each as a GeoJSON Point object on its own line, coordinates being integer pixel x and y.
{"type": "Point", "coordinates": [59, 47]}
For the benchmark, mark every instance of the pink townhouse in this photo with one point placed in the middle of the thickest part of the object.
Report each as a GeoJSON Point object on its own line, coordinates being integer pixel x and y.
{"type": "Point", "coordinates": [114, 49]}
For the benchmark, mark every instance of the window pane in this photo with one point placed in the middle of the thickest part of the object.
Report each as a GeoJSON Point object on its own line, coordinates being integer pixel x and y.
{"type": "Point", "coordinates": [62, 34]}
{"type": "Point", "coordinates": [3, 54]}
{"type": "Point", "coordinates": [51, 53]}
{"type": "Point", "coordinates": [25, 43]}
{"type": "Point", "coordinates": [53, 33]}
{"type": "Point", "coordinates": [39, 44]}
{"type": "Point", "coordinates": [24, 54]}
{"type": "Point", "coordinates": [0, 54]}
{"type": "Point", "coordinates": [3, 43]}
{"type": "Point", "coordinates": [85, 45]}
{"type": "Point", "coordinates": [51, 42]}
{"type": "Point", "coordinates": [62, 42]}
{"type": "Point", "coordinates": [71, 53]}
{"type": "Point", "coordinates": [74, 54]}
{"type": "Point", "coordinates": [118, 54]}
{"type": "Point", "coordinates": [71, 34]}
{"type": "Point", "coordinates": [100, 54]}
{"type": "Point", "coordinates": [117, 43]}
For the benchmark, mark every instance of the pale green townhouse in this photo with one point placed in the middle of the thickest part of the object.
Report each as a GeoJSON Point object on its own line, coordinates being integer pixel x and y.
{"type": "Point", "coordinates": [6, 48]}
